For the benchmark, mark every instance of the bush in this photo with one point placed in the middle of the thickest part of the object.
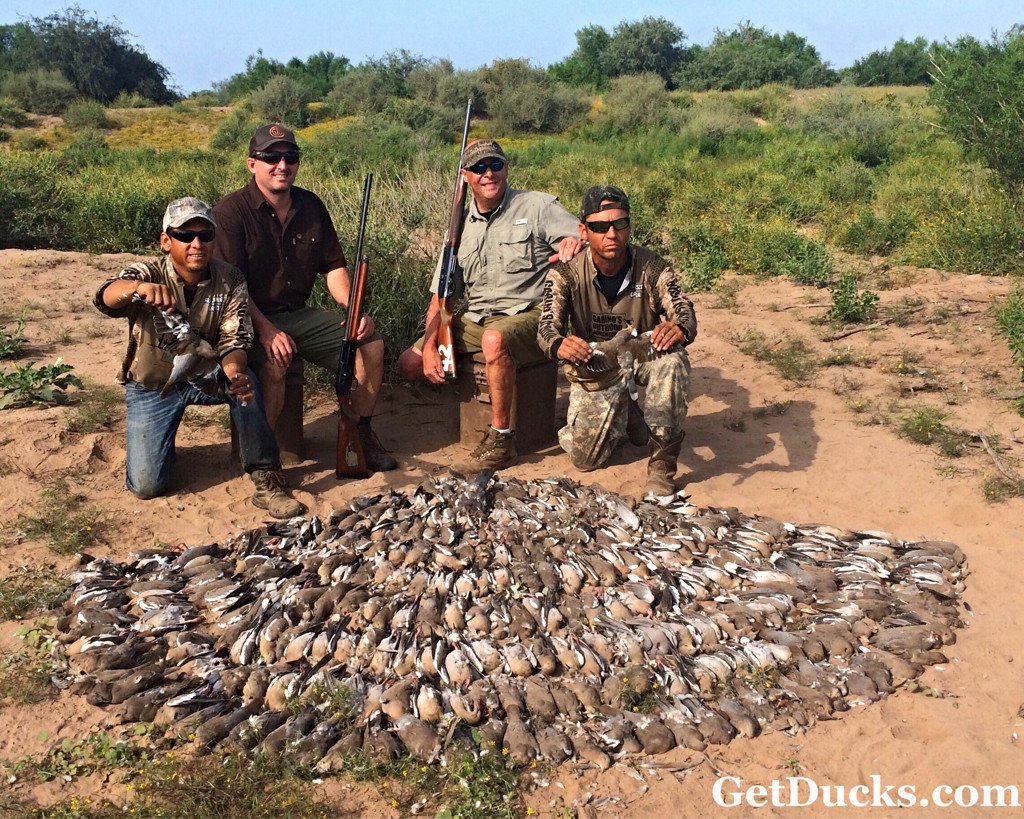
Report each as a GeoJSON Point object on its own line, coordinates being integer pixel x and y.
{"type": "Point", "coordinates": [441, 85]}
{"type": "Point", "coordinates": [27, 142]}
{"type": "Point", "coordinates": [849, 305]}
{"type": "Point", "coordinates": [361, 91]}
{"type": "Point", "coordinates": [131, 99]}
{"type": "Point", "coordinates": [777, 251]}
{"type": "Point", "coordinates": [634, 102]}
{"type": "Point", "coordinates": [85, 114]}
{"type": "Point", "coordinates": [701, 254]}
{"type": "Point", "coordinates": [979, 91]}
{"type": "Point", "coordinates": [10, 114]}
{"type": "Point", "coordinates": [522, 98]}
{"type": "Point", "coordinates": [1010, 321]}
{"type": "Point", "coordinates": [714, 121]}
{"type": "Point", "coordinates": [866, 131]}
{"type": "Point", "coordinates": [869, 232]}
{"type": "Point", "coordinates": [236, 131]}
{"type": "Point", "coordinates": [282, 99]}
{"type": "Point", "coordinates": [39, 90]}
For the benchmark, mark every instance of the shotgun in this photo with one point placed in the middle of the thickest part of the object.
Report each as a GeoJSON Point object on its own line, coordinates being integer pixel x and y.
{"type": "Point", "coordinates": [351, 461]}
{"type": "Point", "coordinates": [450, 259]}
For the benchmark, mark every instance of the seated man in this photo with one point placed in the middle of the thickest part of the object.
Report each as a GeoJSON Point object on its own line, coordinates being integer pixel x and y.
{"type": "Point", "coordinates": [601, 294]}
{"type": "Point", "coordinates": [282, 239]}
{"type": "Point", "coordinates": [188, 313]}
{"type": "Point", "coordinates": [507, 245]}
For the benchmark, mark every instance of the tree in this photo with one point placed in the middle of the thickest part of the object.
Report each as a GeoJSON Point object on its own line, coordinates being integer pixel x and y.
{"type": "Point", "coordinates": [282, 99]}
{"type": "Point", "coordinates": [257, 73]}
{"type": "Point", "coordinates": [588, 65]}
{"type": "Point", "coordinates": [978, 88]}
{"type": "Point", "coordinates": [98, 58]}
{"type": "Point", "coordinates": [651, 45]}
{"type": "Point", "coordinates": [750, 57]}
{"type": "Point", "coordinates": [906, 63]}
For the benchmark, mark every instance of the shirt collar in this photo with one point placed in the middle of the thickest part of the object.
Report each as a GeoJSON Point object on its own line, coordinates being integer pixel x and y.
{"type": "Point", "coordinates": [627, 280]}
{"type": "Point", "coordinates": [474, 211]}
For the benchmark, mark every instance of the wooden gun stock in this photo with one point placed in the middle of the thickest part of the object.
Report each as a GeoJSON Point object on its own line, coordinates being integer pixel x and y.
{"type": "Point", "coordinates": [351, 460]}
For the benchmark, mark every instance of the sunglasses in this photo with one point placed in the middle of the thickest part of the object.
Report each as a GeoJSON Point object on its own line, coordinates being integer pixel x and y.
{"type": "Point", "coordinates": [481, 167]}
{"type": "Point", "coordinates": [600, 226]}
{"type": "Point", "coordinates": [188, 236]}
{"type": "Point", "coordinates": [273, 157]}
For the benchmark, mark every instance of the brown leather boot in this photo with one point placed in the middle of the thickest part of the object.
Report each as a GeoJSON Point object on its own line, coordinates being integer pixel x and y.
{"type": "Point", "coordinates": [496, 451]}
{"type": "Point", "coordinates": [661, 465]}
{"type": "Point", "coordinates": [270, 495]}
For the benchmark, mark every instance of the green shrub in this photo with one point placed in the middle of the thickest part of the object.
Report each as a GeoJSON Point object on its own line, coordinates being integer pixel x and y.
{"type": "Point", "coordinates": [360, 91]}
{"type": "Point", "coordinates": [847, 181]}
{"type": "Point", "coordinates": [769, 102]}
{"type": "Point", "coordinates": [132, 99]}
{"type": "Point", "coordinates": [634, 102]}
{"type": "Point", "coordinates": [850, 306]}
{"type": "Point", "coordinates": [39, 90]}
{"type": "Point", "coordinates": [871, 233]}
{"type": "Point", "coordinates": [1010, 321]}
{"type": "Point", "coordinates": [26, 141]}
{"type": "Point", "coordinates": [10, 113]}
{"type": "Point", "coordinates": [701, 254]}
{"type": "Point", "coordinates": [282, 99]}
{"type": "Point", "coordinates": [236, 131]}
{"type": "Point", "coordinates": [28, 384]}
{"type": "Point", "coordinates": [712, 122]}
{"type": "Point", "coordinates": [12, 342]}
{"type": "Point", "coordinates": [33, 204]}
{"type": "Point", "coordinates": [792, 359]}
{"type": "Point", "coordinates": [777, 251]}
{"type": "Point", "coordinates": [85, 114]}
{"type": "Point", "coordinates": [865, 130]}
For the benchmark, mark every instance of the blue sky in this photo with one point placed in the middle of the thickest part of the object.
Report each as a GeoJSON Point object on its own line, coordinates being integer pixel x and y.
{"type": "Point", "coordinates": [203, 42]}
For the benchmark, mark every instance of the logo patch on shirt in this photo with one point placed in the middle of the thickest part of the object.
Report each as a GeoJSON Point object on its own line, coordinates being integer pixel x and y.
{"type": "Point", "coordinates": [638, 291]}
{"type": "Point", "coordinates": [216, 301]}
{"type": "Point", "coordinates": [521, 222]}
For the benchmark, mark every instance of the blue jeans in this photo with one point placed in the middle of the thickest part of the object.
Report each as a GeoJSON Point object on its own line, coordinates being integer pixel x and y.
{"type": "Point", "coordinates": [153, 422]}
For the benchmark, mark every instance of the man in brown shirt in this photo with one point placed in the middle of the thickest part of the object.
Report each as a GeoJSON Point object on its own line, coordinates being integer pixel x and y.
{"type": "Point", "coordinates": [282, 238]}
{"type": "Point", "coordinates": [594, 301]}
{"type": "Point", "coordinates": [164, 371]}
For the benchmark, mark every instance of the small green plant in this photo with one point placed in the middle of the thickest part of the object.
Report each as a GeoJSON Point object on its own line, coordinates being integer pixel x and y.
{"type": "Point", "coordinates": [11, 343]}
{"type": "Point", "coordinates": [772, 409]}
{"type": "Point", "coordinates": [29, 384]}
{"type": "Point", "coordinates": [217, 417]}
{"type": "Point", "coordinates": [94, 410]}
{"type": "Point", "coordinates": [849, 305]}
{"type": "Point", "coordinates": [29, 589]}
{"type": "Point", "coordinates": [80, 757]}
{"type": "Point", "coordinates": [927, 426]}
{"type": "Point", "coordinates": [63, 520]}
{"type": "Point", "coordinates": [1010, 321]}
{"type": "Point", "coordinates": [85, 114]}
{"type": "Point", "coordinates": [27, 676]}
{"type": "Point", "coordinates": [998, 488]}
{"type": "Point", "coordinates": [791, 357]}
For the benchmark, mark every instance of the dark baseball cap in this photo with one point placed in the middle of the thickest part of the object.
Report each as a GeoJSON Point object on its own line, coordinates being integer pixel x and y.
{"type": "Point", "coordinates": [482, 149]}
{"type": "Point", "coordinates": [593, 198]}
{"type": "Point", "coordinates": [268, 135]}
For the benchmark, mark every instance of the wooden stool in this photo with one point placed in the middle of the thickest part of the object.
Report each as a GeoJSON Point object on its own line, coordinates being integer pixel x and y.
{"type": "Point", "coordinates": [289, 423]}
{"type": "Point", "coordinates": [533, 403]}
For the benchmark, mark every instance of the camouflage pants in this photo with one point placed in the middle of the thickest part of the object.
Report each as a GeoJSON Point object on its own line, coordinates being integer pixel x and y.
{"type": "Point", "coordinates": [596, 421]}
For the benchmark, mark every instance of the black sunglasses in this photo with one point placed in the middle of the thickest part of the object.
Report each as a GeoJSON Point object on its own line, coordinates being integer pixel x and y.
{"type": "Point", "coordinates": [600, 226]}
{"type": "Point", "coordinates": [481, 167]}
{"type": "Point", "coordinates": [188, 236]}
{"type": "Point", "coordinates": [273, 157]}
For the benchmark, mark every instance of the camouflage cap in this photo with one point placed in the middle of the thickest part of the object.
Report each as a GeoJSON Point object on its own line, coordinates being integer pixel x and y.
{"type": "Point", "coordinates": [185, 210]}
{"type": "Point", "coordinates": [593, 198]}
{"type": "Point", "coordinates": [268, 135]}
{"type": "Point", "coordinates": [480, 149]}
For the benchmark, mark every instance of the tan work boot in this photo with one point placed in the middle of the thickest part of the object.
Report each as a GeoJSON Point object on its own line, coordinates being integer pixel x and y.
{"type": "Point", "coordinates": [496, 451]}
{"type": "Point", "coordinates": [637, 432]}
{"type": "Point", "coordinates": [378, 459]}
{"type": "Point", "coordinates": [661, 466]}
{"type": "Point", "coordinates": [270, 495]}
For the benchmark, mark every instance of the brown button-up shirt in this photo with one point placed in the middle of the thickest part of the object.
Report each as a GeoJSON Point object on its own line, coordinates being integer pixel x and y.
{"type": "Point", "coordinates": [219, 313]}
{"type": "Point", "coordinates": [280, 262]}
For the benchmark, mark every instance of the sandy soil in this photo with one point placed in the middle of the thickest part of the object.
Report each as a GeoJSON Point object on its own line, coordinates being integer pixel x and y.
{"type": "Point", "coordinates": [814, 453]}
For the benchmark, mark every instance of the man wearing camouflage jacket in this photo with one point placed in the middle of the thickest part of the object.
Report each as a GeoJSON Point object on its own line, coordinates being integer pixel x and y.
{"type": "Point", "coordinates": [604, 295]}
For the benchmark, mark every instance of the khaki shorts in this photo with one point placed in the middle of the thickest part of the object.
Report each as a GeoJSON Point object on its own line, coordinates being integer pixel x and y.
{"type": "Point", "coordinates": [519, 332]}
{"type": "Point", "coordinates": [317, 335]}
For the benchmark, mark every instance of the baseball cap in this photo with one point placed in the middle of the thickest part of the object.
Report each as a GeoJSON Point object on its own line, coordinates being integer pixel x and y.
{"type": "Point", "coordinates": [592, 200]}
{"type": "Point", "coordinates": [184, 210]}
{"type": "Point", "coordinates": [482, 149]}
{"type": "Point", "coordinates": [268, 135]}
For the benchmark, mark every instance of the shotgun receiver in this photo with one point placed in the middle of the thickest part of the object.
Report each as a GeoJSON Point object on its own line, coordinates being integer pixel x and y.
{"type": "Point", "coordinates": [450, 259]}
{"type": "Point", "coordinates": [351, 462]}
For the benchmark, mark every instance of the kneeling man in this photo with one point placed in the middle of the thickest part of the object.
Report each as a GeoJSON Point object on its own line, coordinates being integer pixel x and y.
{"type": "Point", "coordinates": [595, 301]}
{"type": "Point", "coordinates": [188, 332]}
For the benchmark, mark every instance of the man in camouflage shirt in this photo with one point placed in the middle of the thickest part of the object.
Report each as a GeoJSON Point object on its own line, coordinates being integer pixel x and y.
{"type": "Point", "coordinates": [188, 332]}
{"type": "Point", "coordinates": [604, 295]}
{"type": "Point", "coordinates": [507, 245]}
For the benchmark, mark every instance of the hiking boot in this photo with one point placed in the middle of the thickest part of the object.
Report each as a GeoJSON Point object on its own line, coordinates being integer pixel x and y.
{"type": "Point", "coordinates": [378, 459]}
{"type": "Point", "coordinates": [661, 466]}
{"type": "Point", "coordinates": [496, 451]}
{"type": "Point", "coordinates": [270, 495]}
{"type": "Point", "coordinates": [637, 432]}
